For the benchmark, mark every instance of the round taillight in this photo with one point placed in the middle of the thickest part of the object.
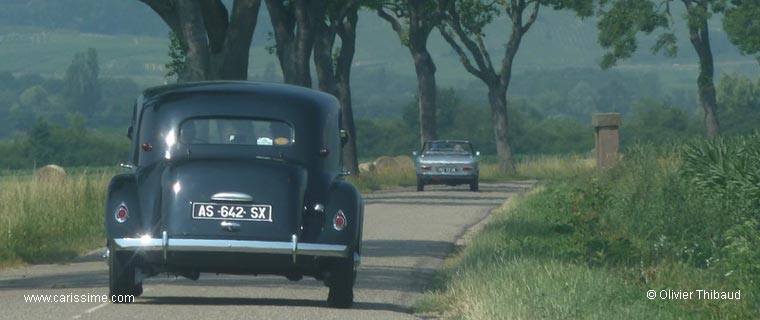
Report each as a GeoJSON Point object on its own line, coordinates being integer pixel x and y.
{"type": "Point", "coordinates": [339, 221]}
{"type": "Point", "coordinates": [147, 146]}
{"type": "Point", "coordinates": [121, 213]}
{"type": "Point", "coordinates": [324, 152]}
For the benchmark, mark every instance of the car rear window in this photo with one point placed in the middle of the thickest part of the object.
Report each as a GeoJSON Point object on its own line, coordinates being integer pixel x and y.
{"type": "Point", "coordinates": [236, 131]}
{"type": "Point", "coordinates": [447, 147]}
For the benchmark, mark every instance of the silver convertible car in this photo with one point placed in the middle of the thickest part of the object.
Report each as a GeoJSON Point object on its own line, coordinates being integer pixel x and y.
{"type": "Point", "coordinates": [450, 162]}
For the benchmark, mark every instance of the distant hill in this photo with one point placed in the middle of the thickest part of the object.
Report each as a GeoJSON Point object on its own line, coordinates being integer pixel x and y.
{"type": "Point", "coordinates": [41, 36]}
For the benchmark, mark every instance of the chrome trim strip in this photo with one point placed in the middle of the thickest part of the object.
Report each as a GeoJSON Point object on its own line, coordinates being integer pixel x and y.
{"type": "Point", "coordinates": [294, 242]}
{"type": "Point", "coordinates": [164, 243]}
{"type": "Point", "coordinates": [238, 246]}
{"type": "Point", "coordinates": [322, 250]}
{"type": "Point", "coordinates": [127, 166]}
{"type": "Point", "coordinates": [145, 244]}
{"type": "Point", "coordinates": [232, 196]}
{"type": "Point", "coordinates": [230, 226]}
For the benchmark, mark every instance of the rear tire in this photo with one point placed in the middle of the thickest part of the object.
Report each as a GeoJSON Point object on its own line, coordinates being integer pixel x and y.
{"type": "Point", "coordinates": [420, 185]}
{"type": "Point", "coordinates": [474, 185]}
{"type": "Point", "coordinates": [342, 278]}
{"type": "Point", "coordinates": [121, 277]}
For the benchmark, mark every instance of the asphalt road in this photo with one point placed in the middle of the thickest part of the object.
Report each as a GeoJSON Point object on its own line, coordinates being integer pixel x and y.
{"type": "Point", "coordinates": [406, 236]}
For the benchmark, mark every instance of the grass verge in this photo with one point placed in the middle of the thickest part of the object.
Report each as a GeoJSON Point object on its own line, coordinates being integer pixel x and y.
{"type": "Point", "coordinates": [593, 245]}
{"type": "Point", "coordinates": [49, 221]}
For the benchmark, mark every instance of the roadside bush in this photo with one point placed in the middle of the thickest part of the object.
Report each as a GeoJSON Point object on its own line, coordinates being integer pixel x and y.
{"type": "Point", "coordinates": [727, 171]}
{"type": "Point", "coordinates": [75, 145]}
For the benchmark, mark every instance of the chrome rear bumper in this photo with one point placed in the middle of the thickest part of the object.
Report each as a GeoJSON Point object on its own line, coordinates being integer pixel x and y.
{"type": "Point", "coordinates": [166, 244]}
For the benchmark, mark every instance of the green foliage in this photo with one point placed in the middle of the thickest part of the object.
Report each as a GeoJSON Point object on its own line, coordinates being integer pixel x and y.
{"type": "Point", "coordinates": [579, 92]}
{"type": "Point", "coordinates": [743, 27]}
{"type": "Point", "coordinates": [619, 24]}
{"type": "Point", "coordinates": [102, 102]}
{"type": "Point", "coordinates": [73, 146]}
{"type": "Point", "coordinates": [40, 146]}
{"type": "Point", "coordinates": [177, 55]}
{"type": "Point", "coordinates": [726, 169]}
{"type": "Point", "coordinates": [81, 86]}
{"type": "Point", "coordinates": [739, 101]}
{"type": "Point", "coordinates": [475, 15]}
{"type": "Point", "coordinates": [658, 122]}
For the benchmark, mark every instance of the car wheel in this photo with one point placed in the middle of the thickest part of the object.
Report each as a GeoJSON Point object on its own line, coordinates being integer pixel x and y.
{"type": "Point", "coordinates": [121, 276]}
{"type": "Point", "coordinates": [420, 185]}
{"type": "Point", "coordinates": [341, 285]}
{"type": "Point", "coordinates": [474, 185]}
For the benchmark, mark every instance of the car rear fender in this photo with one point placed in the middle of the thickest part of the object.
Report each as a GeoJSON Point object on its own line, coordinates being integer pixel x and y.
{"type": "Point", "coordinates": [122, 190]}
{"type": "Point", "coordinates": [343, 196]}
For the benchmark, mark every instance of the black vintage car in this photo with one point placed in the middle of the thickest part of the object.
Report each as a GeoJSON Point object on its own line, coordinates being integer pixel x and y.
{"type": "Point", "coordinates": [236, 178]}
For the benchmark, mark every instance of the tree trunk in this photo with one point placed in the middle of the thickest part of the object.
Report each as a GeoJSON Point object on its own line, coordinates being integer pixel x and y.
{"type": "Point", "coordinates": [350, 152]}
{"type": "Point", "coordinates": [497, 98]}
{"type": "Point", "coordinates": [700, 39]}
{"type": "Point", "coordinates": [426, 87]}
{"type": "Point", "coordinates": [191, 26]}
{"type": "Point", "coordinates": [217, 43]}
{"type": "Point", "coordinates": [347, 32]}
{"type": "Point", "coordinates": [334, 77]}
{"type": "Point", "coordinates": [294, 30]}
{"type": "Point", "coordinates": [419, 21]}
{"type": "Point", "coordinates": [237, 42]}
{"type": "Point", "coordinates": [323, 59]}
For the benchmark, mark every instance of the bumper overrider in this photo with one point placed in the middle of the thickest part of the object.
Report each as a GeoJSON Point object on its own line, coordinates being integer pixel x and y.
{"type": "Point", "coordinates": [166, 245]}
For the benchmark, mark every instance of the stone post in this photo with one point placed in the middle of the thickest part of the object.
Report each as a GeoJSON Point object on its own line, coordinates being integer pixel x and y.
{"type": "Point", "coordinates": [607, 138]}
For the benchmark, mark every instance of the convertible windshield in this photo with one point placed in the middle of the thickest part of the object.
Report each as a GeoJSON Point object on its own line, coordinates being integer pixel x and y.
{"type": "Point", "coordinates": [437, 147]}
{"type": "Point", "coordinates": [236, 131]}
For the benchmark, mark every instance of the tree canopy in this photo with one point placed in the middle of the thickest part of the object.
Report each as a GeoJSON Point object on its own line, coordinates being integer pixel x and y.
{"type": "Point", "coordinates": [742, 24]}
{"type": "Point", "coordinates": [622, 20]}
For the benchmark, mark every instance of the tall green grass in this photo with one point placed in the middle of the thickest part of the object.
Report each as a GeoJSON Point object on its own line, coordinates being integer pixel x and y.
{"type": "Point", "coordinates": [552, 167]}
{"type": "Point", "coordinates": [47, 221]}
{"type": "Point", "coordinates": [675, 217]}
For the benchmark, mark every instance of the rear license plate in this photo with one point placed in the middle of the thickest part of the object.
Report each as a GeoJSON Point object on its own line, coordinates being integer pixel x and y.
{"type": "Point", "coordinates": [447, 169]}
{"type": "Point", "coordinates": [218, 211]}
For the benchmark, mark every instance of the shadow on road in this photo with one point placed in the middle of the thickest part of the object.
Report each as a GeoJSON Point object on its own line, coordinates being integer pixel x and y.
{"type": "Point", "coordinates": [83, 279]}
{"type": "Point", "coordinates": [406, 248]}
{"type": "Point", "coordinates": [447, 195]}
{"type": "Point", "coordinates": [224, 301]}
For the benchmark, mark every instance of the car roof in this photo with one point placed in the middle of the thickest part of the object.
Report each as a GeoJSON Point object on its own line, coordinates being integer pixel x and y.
{"type": "Point", "coordinates": [262, 88]}
{"type": "Point", "coordinates": [223, 86]}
